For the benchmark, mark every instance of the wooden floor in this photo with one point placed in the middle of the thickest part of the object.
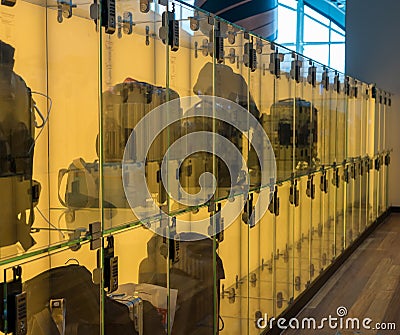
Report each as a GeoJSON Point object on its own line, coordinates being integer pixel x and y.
{"type": "Point", "coordinates": [367, 285]}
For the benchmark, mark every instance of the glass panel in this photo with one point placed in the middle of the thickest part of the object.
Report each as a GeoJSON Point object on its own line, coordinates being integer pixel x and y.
{"type": "Point", "coordinates": [143, 280]}
{"type": "Point", "coordinates": [376, 159]}
{"type": "Point", "coordinates": [337, 156]}
{"type": "Point", "coordinates": [371, 153]}
{"type": "Point", "coordinates": [73, 81]}
{"type": "Point", "coordinates": [261, 253]}
{"type": "Point", "coordinates": [364, 170]}
{"type": "Point", "coordinates": [382, 145]}
{"type": "Point", "coordinates": [284, 260]}
{"type": "Point", "coordinates": [233, 251]}
{"type": "Point", "coordinates": [340, 214]}
{"type": "Point", "coordinates": [133, 83]}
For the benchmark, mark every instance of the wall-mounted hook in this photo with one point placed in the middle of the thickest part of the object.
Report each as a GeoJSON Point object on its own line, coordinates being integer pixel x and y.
{"type": "Point", "coordinates": [64, 10]}
{"type": "Point", "coordinates": [232, 55]}
{"type": "Point", "coordinates": [147, 35]}
{"type": "Point", "coordinates": [145, 6]}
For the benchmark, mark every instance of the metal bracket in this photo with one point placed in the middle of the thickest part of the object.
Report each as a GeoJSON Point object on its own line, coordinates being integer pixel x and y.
{"type": "Point", "coordinates": [312, 270]}
{"type": "Point", "coordinates": [346, 174]}
{"type": "Point", "coordinates": [125, 24]}
{"type": "Point", "coordinates": [231, 293]}
{"type": "Point", "coordinates": [231, 35]}
{"type": "Point", "coordinates": [337, 83]}
{"type": "Point", "coordinates": [250, 56]}
{"type": "Point", "coordinates": [259, 46]}
{"type": "Point", "coordinates": [353, 170]}
{"type": "Point", "coordinates": [310, 192]}
{"type": "Point", "coordinates": [219, 42]}
{"type": "Point", "coordinates": [355, 89]}
{"type": "Point", "coordinates": [108, 19]}
{"type": "Point", "coordinates": [373, 92]}
{"type": "Point", "coordinates": [248, 210]}
{"type": "Point", "coordinates": [219, 229]}
{"type": "Point", "coordinates": [370, 164]}
{"type": "Point", "coordinates": [387, 159]}
{"type": "Point", "coordinates": [295, 71]}
{"type": "Point", "coordinates": [324, 182]}
{"type": "Point", "coordinates": [377, 163]}
{"type": "Point", "coordinates": [312, 75]}
{"type": "Point", "coordinates": [64, 10]}
{"type": "Point", "coordinates": [110, 270]}
{"type": "Point", "coordinates": [325, 79]}
{"type": "Point", "coordinates": [232, 56]}
{"type": "Point", "coordinates": [170, 30]}
{"type": "Point", "coordinates": [294, 193]}
{"type": "Point", "coordinates": [13, 318]}
{"type": "Point", "coordinates": [76, 235]}
{"type": "Point", "coordinates": [297, 283]}
{"type": "Point", "coordinates": [194, 23]}
{"type": "Point", "coordinates": [336, 177]}
{"type": "Point", "coordinates": [279, 300]}
{"type": "Point", "coordinates": [8, 3]}
{"type": "Point", "coordinates": [95, 233]}
{"type": "Point", "coordinates": [361, 167]}
{"type": "Point", "coordinates": [274, 204]}
{"type": "Point", "coordinates": [145, 6]}
{"type": "Point", "coordinates": [253, 279]}
{"type": "Point", "coordinates": [147, 36]}
{"type": "Point", "coordinates": [238, 281]}
{"type": "Point", "coordinates": [347, 86]}
{"type": "Point", "coordinates": [275, 63]}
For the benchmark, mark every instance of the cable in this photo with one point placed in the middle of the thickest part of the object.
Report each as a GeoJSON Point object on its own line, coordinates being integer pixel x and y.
{"type": "Point", "coordinates": [44, 120]}
{"type": "Point", "coordinates": [41, 116]}
{"type": "Point", "coordinates": [45, 219]}
{"type": "Point", "coordinates": [71, 260]}
{"type": "Point", "coordinates": [223, 323]}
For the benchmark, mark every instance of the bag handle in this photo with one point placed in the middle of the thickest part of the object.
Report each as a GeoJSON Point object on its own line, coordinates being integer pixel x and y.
{"type": "Point", "coordinates": [78, 164]}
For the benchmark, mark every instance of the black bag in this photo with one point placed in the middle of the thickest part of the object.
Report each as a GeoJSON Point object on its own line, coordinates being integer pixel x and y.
{"type": "Point", "coordinates": [192, 275]}
{"type": "Point", "coordinates": [20, 193]}
{"type": "Point", "coordinates": [74, 284]}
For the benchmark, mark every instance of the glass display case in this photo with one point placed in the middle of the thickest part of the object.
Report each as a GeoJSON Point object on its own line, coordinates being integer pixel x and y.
{"type": "Point", "coordinates": [164, 171]}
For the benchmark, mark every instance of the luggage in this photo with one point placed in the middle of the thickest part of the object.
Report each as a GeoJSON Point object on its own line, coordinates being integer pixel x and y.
{"type": "Point", "coordinates": [20, 194]}
{"type": "Point", "coordinates": [192, 275]}
{"type": "Point", "coordinates": [280, 128]}
{"type": "Point", "coordinates": [124, 106]}
{"type": "Point", "coordinates": [73, 284]}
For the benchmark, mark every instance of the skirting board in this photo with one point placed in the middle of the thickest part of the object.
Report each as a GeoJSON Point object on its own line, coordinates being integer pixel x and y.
{"type": "Point", "coordinates": [302, 300]}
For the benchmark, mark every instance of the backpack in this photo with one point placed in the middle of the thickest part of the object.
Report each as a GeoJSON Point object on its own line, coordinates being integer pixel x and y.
{"type": "Point", "coordinates": [19, 191]}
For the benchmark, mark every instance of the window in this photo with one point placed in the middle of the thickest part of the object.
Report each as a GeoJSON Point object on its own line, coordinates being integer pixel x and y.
{"type": "Point", "coordinates": [310, 33]}
{"type": "Point", "coordinates": [286, 25]}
